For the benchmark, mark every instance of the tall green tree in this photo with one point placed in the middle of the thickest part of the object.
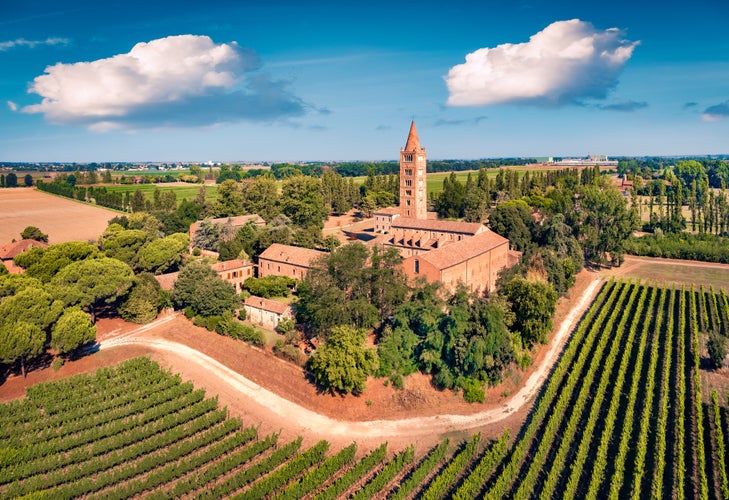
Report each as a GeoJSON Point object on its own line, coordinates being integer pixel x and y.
{"type": "Point", "coordinates": [21, 342]}
{"type": "Point", "coordinates": [33, 233]}
{"type": "Point", "coordinates": [72, 330]}
{"type": "Point", "coordinates": [533, 304]}
{"type": "Point", "coordinates": [513, 220]}
{"type": "Point", "coordinates": [162, 255]}
{"type": "Point", "coordinates": [302, 201]}
{"type": "Point", "coordinates": [342, 364]}
{"type": "Point", "coordinates": [92, 284]}
{"type": "Point", "coordinates": [604, 223]}
{"type": "Point", "coordinates": [201, 289]}
{"type": "Point", "coordinates": [144, 300]}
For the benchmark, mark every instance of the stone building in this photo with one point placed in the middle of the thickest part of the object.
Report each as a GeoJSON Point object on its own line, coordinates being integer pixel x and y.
{"type": "Point", "coordinates": [286, 260]}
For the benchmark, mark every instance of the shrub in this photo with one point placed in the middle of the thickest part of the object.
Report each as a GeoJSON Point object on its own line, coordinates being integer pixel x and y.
{"type": "Point", "coordinates": [57, 363]}
{"type": "Point", "coordinates": [473, 390]}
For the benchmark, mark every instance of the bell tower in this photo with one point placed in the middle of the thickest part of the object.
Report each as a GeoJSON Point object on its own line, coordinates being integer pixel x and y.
{"type": "Point", "coordinates": [413, 193]}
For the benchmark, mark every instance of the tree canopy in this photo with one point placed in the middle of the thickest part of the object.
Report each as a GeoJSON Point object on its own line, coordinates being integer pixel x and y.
{"type": "Point", "coordinates": [72, 330]}
{"type": "Point", "coordinates": [200, 288]}
{"type": "Point", "coordinates": [342, 364]}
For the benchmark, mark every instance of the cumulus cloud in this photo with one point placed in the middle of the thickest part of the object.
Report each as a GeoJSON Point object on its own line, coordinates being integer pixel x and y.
{"type": "Point", "coordinates": [625, 106]}
{"type": "Point", "coordinates": [716, 112]}
{"type": "Point", "coordinates": [566, 62]}
{"type": "Point", "coordinates": [184, 80]}
{"type": "Point", "coordinates": [22, 42]}
{"type": "Point", "coordinates": [12, 106]}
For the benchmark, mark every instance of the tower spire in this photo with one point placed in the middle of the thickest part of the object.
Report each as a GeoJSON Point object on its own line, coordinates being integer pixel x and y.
{"type": "Point", "coordinates": [413, 143]}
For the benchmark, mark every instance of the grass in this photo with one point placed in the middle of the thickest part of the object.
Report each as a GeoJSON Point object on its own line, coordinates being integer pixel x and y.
{"type": "Point", "coordinates": [675, 272]}
{"type": "Point", "coordinates": [183, 191]}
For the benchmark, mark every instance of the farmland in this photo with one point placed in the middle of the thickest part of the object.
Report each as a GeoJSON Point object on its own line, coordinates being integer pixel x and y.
{"type": "Point", "coordinates": [623, 414]}
{"type": "Point", "coordinates": [182, 190]}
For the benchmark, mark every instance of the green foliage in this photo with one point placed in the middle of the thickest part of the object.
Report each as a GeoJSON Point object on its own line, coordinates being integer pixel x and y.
{"type": "Point", "coordinates": [92, 283]}
{"type": "Point", "coordinates": [144, 300]}
{"type": "Point", "coordinates": [513, 220]}
{"type": "Point", "coordinates": [705, 247]}
{"type": "Point", "coordinates": [473, 390]}
{"type": "Point", "coordinates": [716, 345]}
{"type": "Point", "coordinates": [11, 284]}
{"type": "Point", "coordinates": [533, 304]}
{"type": "Point", "coordinates": [200, 288]}
{"type": "Point", "coordinates": [72, 330]}
{"type": "Point", "coordinates": [302, 201]}
{"type": "Point", "coordinates": [30, 305]}
{"type": "Point", "coordinates": [20, 341]}
{"type": "Point", "coordinates": [603, 223]}
{"type": "Point", "coordinates": [270, 286]}
{"type": "Point", "coordinates": [285, 326]}
{"type": "Point", "coordinates": [228, 325]}
{"type": "Point", "coordinates": [45, 263]}
{"type": "Point", "coordinates": [123, 244]}
{"type": "Point", "coordinates": [350, 286]}
{"type": "Point", "coordinates": [162, 255]}
{"type": "Point", "coordinates": [33, 233]}
{"type": "Point", "coordinates": [342, 364]}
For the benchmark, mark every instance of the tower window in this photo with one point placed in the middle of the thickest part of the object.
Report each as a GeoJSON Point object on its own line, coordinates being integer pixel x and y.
{"type": "Point", "coordinates": [408, 171]}
{"type": "Point", "coordinates": [417, 266]}
{"type": "Point", "coordinates": [408, 182]}
{"type": "Point", "coordinates": [408, 157]}
{"type": "Point", "coordinates": [408, 192]}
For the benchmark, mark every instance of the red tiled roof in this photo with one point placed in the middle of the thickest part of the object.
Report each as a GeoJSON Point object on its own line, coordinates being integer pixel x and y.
{"type": "Point", "coordinates": [167, 281]}
{"type": "Point", "coordinates": [266, 304]}
{"type": "Point", "coordinates": [228, 265]}
{"type": "Point", "coordinates": [388, 211]}
{"type": "Point", "coordinates": [457, 252]}
{"type": "Point", "coordinates": [10, 250]}
{"type": "Point", "coordinates": [290, 254]}
{"type": "Point", "coordinates": [438, 225]}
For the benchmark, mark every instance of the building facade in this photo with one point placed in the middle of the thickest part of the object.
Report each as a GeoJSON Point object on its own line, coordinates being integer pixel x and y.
{"type": "Point", "coordinates": [287, 260]}
{"type": "Point", "coordinates": [265, 312]}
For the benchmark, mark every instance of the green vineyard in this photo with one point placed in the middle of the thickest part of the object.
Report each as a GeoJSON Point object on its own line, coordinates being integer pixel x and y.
{"type": "Point", "coordinates": [622, 415]}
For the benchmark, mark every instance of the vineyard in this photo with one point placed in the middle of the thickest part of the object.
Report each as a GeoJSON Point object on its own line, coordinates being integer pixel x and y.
{"type": "Point", "coordinates": [622, 415]}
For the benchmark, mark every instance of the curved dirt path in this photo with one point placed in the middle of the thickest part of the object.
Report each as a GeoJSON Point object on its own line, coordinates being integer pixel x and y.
{"type": "Point", "coordinates": [409, 427]}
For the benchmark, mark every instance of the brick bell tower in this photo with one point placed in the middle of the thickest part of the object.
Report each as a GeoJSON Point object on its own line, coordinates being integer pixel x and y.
{"type": "Point", "coordinates": [413, 193]}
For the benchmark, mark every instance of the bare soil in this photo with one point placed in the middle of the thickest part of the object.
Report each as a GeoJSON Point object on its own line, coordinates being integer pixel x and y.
{"type": "Point", "coordinates": [60, 218]}
{"type": "Point", "coordinates": [267, 391]}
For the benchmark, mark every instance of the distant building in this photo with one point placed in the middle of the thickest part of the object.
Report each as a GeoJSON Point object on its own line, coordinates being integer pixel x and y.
{"type": "Point", "coordinates": [287, 260]}
{"type": "Point", "coordinates": [9, 251]}
{"type": "Point", "coordinates": [266, 312]}
{"type": "Point", "coordinates": [384, 218]}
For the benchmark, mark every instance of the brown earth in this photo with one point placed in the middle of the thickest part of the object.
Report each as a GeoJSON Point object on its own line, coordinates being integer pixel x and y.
{"type": "Point", "coordinates": [378, 405]}
{"type": "Point", "coordinates": [60, 218]}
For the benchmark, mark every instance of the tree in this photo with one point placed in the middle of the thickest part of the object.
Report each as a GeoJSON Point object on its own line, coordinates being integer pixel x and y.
{"type": "Point", "coordinates": [207, 236]}
{"type": "Point", "coordinates": [123, 244]}
{"type": "Point", "coordinates": [11, 180]}
{"type": "Point", "coordinates": [28, 180]}
{"type": "Point", "coordinates": [44, 263]}
{"type": "Point", "coordinates": [604, 223]}
{"type": "Point", "coordinates": [72, 330]}
{"type": "Point", "coordinates": [230, 199]}
{"type": "Point", "coordinates": [270, 286]}
{"type": "Point", "coordinates": [200, 288]}
{"type": "Point", "coordinates": [92, 284]}
{"type": "Point", "coordinates": [21, 341]}
{"type": "Point", "coordinates": [302, 201]}
{"type": "Point", "coordinates": [137, 203]}
{"type": "Point", "coordinates": [144, 300]}
{"type": "Point", "coordinates": [342, 364]}
{"type": "Point", "coordinates": [162, 255]}
{"type": "Point", "coordinates": [716, 345]}
{"type": "Point", "coordinates": [260, 196]}
{"type": "Point", "coordinates": [533, 304]}
{"type": "Point", "coordinates": [33, 233]}
{"type": "Point", "coordinates": [450, 203]}
{"type": "Point", "coordinates": [513, 220]}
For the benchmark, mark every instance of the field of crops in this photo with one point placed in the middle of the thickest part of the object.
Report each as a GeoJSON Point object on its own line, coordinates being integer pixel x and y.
{"type": "Point", "coordinates": [621, 416]}
{"type": "Point", "coordinates": [182, 190]}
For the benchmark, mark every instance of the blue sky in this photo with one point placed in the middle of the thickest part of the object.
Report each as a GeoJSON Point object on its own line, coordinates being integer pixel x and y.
{"type": "Point", "coordinates": [287, 81]}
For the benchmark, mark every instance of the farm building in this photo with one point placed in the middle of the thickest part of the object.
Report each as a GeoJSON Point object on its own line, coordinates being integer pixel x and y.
{"type": "Point", "coordinates": [234, 271]}
{"type": "Point", "coordinates": [9, 251]}
{"type": "Point", "coordinates": [266, 312]}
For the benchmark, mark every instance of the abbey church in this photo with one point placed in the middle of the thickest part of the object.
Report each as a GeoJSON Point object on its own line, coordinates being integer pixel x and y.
{"type": "Point", "coordinates": [438, 250]}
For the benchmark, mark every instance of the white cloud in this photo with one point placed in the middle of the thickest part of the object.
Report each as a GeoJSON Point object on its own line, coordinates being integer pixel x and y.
{"type": "Point", "coordinates": [12, 106]}
{"type": "Point", "coordinates": [22, 42]}
{"type": "Point", "coordinates": [562, 64]}
{"type": "Point", "coordinates": [178, 80]}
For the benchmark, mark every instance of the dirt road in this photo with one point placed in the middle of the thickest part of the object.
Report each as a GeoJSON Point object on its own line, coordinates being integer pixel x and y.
{"type": "Point", "coordinates": [325, 426]}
